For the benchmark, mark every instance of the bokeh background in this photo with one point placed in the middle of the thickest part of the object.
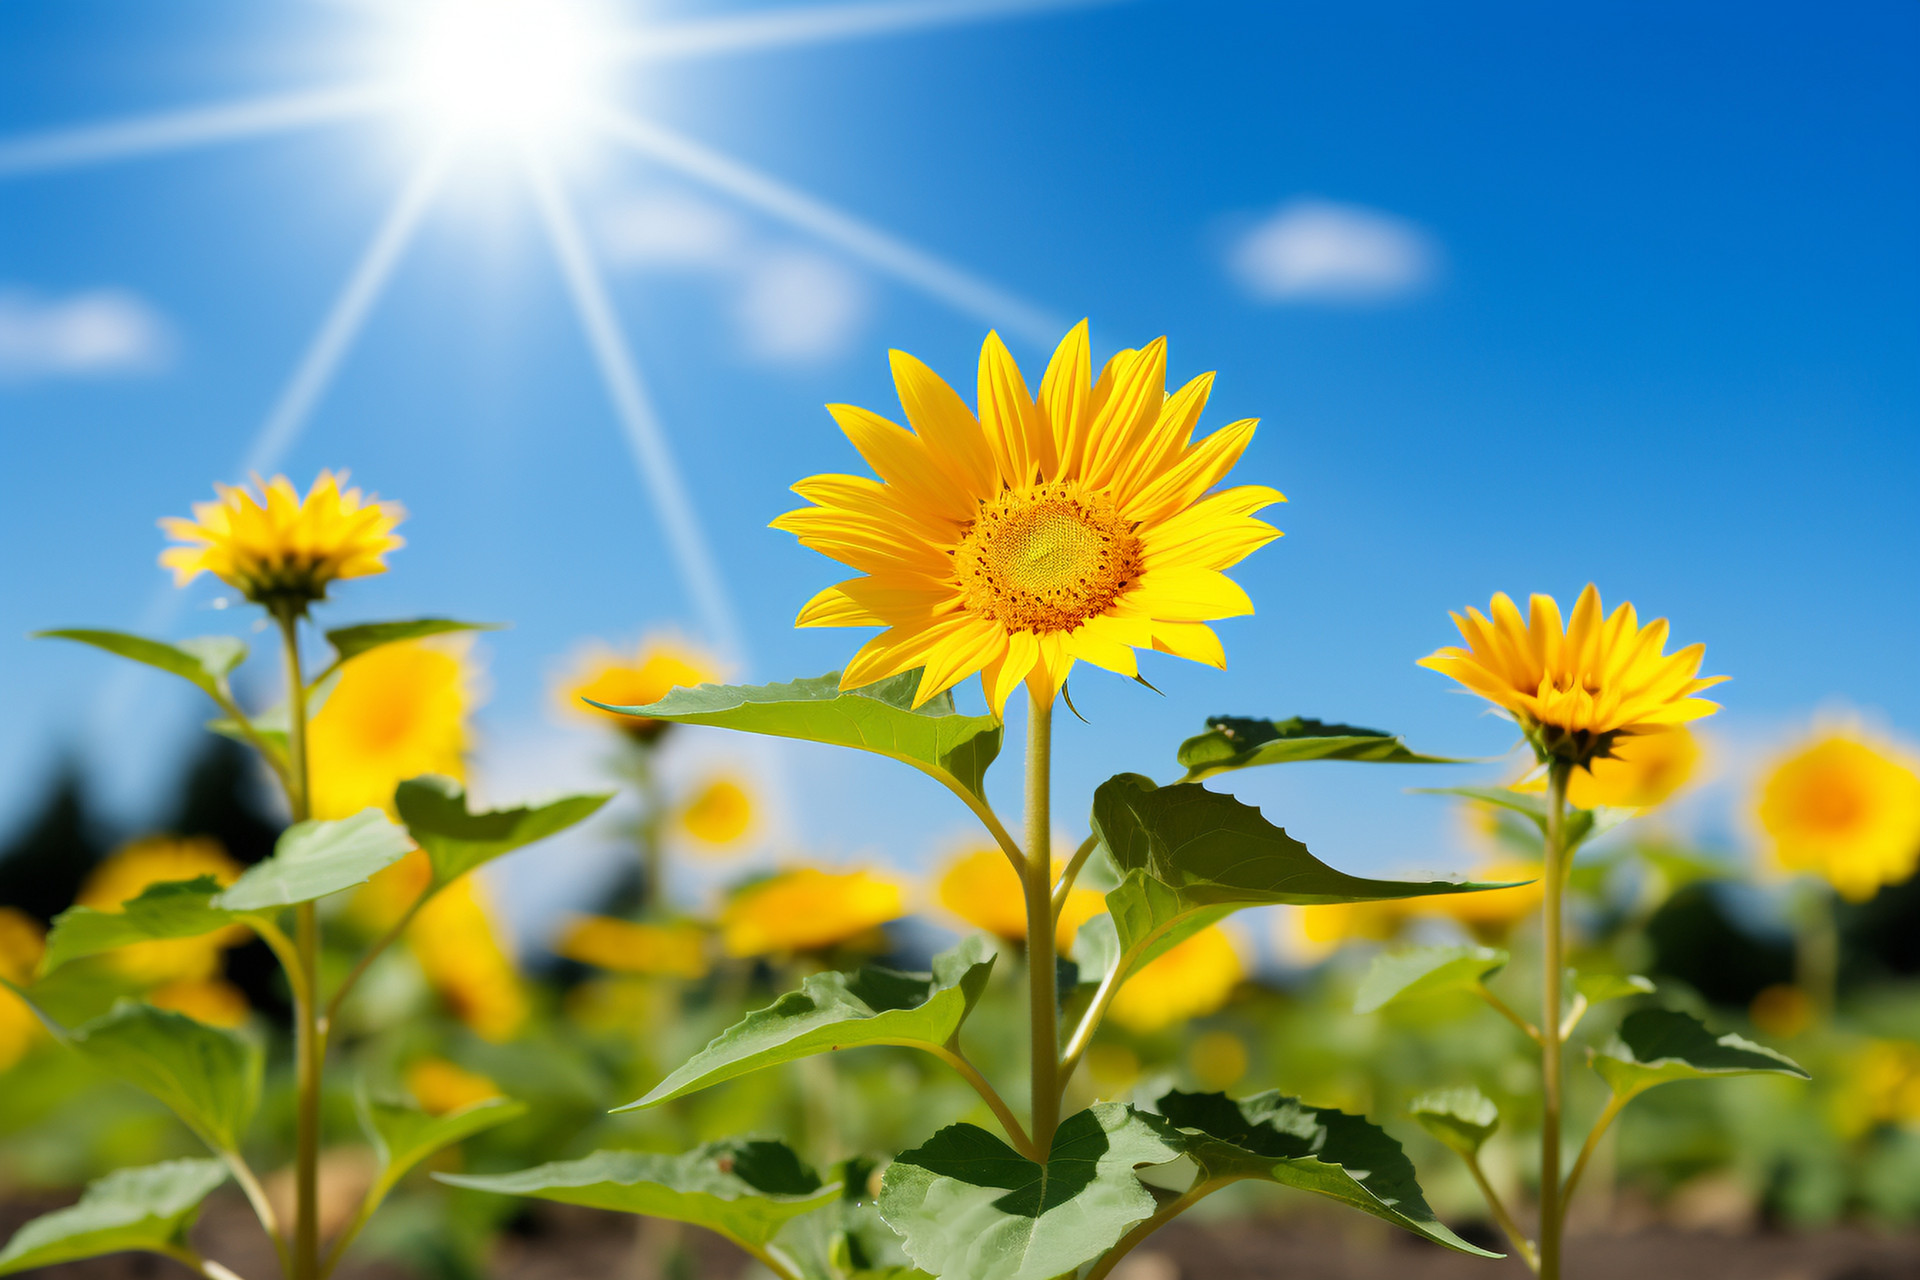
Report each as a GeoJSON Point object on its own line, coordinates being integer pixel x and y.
{"type": "Point", "coordinates": [1524, 297]}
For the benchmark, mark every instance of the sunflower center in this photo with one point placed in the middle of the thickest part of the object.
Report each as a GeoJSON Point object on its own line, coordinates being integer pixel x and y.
{"type": "Point", "coordinates": [1046, 559]}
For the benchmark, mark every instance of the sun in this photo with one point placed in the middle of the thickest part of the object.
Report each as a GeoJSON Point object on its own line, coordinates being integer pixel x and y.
{"type": "Point", "coordinates": [526, 71]}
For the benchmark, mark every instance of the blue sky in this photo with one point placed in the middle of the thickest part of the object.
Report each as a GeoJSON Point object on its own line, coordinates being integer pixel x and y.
{"type": "Point", "coordinates": [1524, 298]}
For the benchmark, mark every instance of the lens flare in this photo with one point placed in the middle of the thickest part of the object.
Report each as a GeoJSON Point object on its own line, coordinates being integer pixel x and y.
{"type": "Point", "coordinates": [525, 70]}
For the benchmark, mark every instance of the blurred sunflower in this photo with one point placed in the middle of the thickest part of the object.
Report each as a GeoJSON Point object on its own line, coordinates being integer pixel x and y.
{"type": "Point", "coordinates": [720, 815]}
{"type": "Point", "coordinates": [1577, 689]}
{"type": "Point", "coordinates": [214, 1001]}
{"type": "Point", "coordinates": [1042, 532]}
{"type": "Point", "coordinates": [1643, 771]}
{"type": "Point", "coordinates": [807, 909]}
{"type": "Point", "coordinates": [1218, 1060]}
{"type": "Point", "coordinates": [440, 1086]}
{"type": "Point", "coordinates": [397, 712]}
{"type": "Point", "coordinates": [1187, 981]}
{"type": "Point", "coordinates": [1308, 935]}
{"type": "Point", "coordinates": [622, 946]}
{"type": "Point", "coordinates": [1489, 916]}
{"type": "Point", "coordinates": [22, 943]}
{"type": "Point", "coordinates": [279, 549]}
{"type": "Point", "coordinates": [661, 665]}
{"type": "Point", "coordinates": [457, 942]}
{"type": "Point", "coordinates": [1882, 1087]}
{"type": "Point", "coordinates": [981, 888]}
{"type": "Point", "coordinates": [129, 871]}
{"type": "Point", "coordinates": [1844, 809]}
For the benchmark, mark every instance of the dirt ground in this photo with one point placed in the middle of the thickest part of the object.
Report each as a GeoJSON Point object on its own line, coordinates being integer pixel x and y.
{"type": "Point", "coordinates": [559, 1243]}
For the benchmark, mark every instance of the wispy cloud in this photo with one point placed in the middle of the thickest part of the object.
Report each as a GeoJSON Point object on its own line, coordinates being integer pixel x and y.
{"type": "Point", "coordinates": [1317, 251]}
{"type": "Point", "coordinates": [93, 334]}
{"type": "Point", "coordinates": [789, 306]}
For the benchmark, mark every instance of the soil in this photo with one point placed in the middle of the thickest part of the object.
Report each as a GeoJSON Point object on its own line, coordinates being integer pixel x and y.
{"type": "Point", "coordinates": [559, 1243]}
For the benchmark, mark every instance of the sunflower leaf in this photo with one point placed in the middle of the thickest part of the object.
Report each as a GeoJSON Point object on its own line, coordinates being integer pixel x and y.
{"type": "Point", "coordinates": [1656, 1046]}
{"type": "Point", "coordinates": [1582, 825]}
{"type": "Point", "coordinates": [1462, 1118]}
{"type": "Point", "coordinates": [1330, 1153]}
{"type": "Point", "coordinates": [875, 1005]}
{"type": "Point", "coordinates": [403, 1135]}
{"type": "Point", "coordinates": [313, 859]}
{"type": "Point", "coordinates": [205, 661]}
{"type": "Point", "coordinates": [1597, 987]}
{"type": "Point", "coordinates": [936, 738]}
{"type": "Point", "coordinates": [173, 909]}
{"type": "Point", "coordinates": [149, 1208]}
{"type": "Point", "coordinates": [1425, 971]}
{"type": "Point", "coordinates": [457, 840]}
{"type": "Point", "coordinates": [743, 1189]}
{"type": "Point", "coordinates": [350, 642]}
{"type": "Point", "coordinates": [208, 1076]}
{"type": "Point", "coordinates": [1238, 742]}
{"type": "Point", "coordinates": [973, 1208]}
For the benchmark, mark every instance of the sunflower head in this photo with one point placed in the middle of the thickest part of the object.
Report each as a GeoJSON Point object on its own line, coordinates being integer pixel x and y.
{"type": "Point", "coordinates": [1845, 809]}
{"type": "Point", "coordinates": [1641, 772]}
{"type": "Point", "coordinates": [661, 665]}
{"type": "Point", "coordinates": [440, 1086]}
{"type": "Point", "coordinates": [129, 871]}
{"type": "Point", "coordinates": [398, 711]}
{"type": "Point", "coordinates": [720, 815]}
{"type": "Point", "coordinates": [1186, 981]}
{"type": "Point", "coordinates": [1037, 532]}
{"type": "Point", "coordinates": [981, 887]}
{"type": "Point", "coordinates": [1575, 689]}
{"type": "Point", "coordinates": [623, 946]}
{"type": "Point", "coordinates": [807, 909]}
{"type": "Point", "coordinates": [279, 549]}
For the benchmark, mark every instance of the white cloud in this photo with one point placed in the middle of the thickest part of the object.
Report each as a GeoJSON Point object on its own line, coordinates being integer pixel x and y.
{"type": "Point", "coordinates": [104, 331]}
{"type": "Point", "coordinates": [1319, 251]}
{"type": "Point", "coordinates": [800, 308]}
{"type": "Point", "coordinates": [671, 229]}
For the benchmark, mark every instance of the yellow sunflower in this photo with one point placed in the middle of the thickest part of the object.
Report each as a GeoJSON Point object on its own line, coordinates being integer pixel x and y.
{"type": "Point", "coordinates": [661, 665]}
{"type": "Point", "coordinates": [622, 946]}
{"type": "Point", "coordinates": [127, 873]}
{"type": "Point", "coordinates": [1042, 532]}
{"type": "Point", "coordinates": [1847, 810]}
{"type": "Point", "coordinates": [981, 887]}
{"type": "Point", "coordinates": [214, 1001]}
{"type": "Point", "coordinates": [22, 943]}
{"type": "Point", "coordinates": [440, 1086]}
{"type": "Point", "coordinates": [456, 940]}
{"type": "Point", "coordinates": [1186, 981]}
{"type": "Point", "coordinates": [397, 712]}
{"type": "Point", "coordinates": [720, 815]}
{"type": "Point", "coordinates": [1575, 689]}
{"type": "Point", "coordinates": [1644, 770]}
{"type": "Point", "coordinates": [808, 910]}
{"type": "Point", "coordinates": [279, 549]}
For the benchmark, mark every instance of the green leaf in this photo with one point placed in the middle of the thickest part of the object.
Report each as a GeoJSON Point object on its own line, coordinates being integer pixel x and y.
{"type": "Point", "coordinates": [1236, 742]}
{"type": "Point", "coordinates": [744, 1189]}
{"type": "Point", "coordinates": [1611, 986]}
{"type": "Point", "coordinates": [831, 1011]}
{"type": "Point", "coordinates": [1462, 1118]}
{"type": "Point", "coordinates": [205, 661]}
{"type": "Point", "coordinates": [1425, 971]}
{"type": "Point", "coordinates": [1582, 825]}
{"type": "Point", "coordinates": [149, 1208]}
{"type": "Point", "coordinates": [314, 859]}
{"type": "Point", "coordinates": [1330, 1153]}
{"type": "Point", "coordinates": [935, 739]}
{"type": "Point", "coordinates": [457, 841]}
{"type": "Point", "coordinates": [350, 642]}
{"type": "Point", "coordinates": [174, 909]}
{"type": "Point", "coordinates": [1655, 1046]}
{"type": "Point", "coordinates": [403, 1135]}
{"type": "Point", "coordinates": [973, 1208]}
{"type": "Point", "coordinates": [208, 1076]}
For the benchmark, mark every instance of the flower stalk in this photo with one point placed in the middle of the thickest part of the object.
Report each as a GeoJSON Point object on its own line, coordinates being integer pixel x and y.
{"type": "Point", "coordinates": [1037, 878]}
{"type": "Point", "coordinates": [1553, 959]}
{"type": "Point", "coordinates": [309, 1030]}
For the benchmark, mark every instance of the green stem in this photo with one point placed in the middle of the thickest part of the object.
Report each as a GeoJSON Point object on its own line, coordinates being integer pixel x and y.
{"type": "Point", "coordinates": [1552, 1210]}
{"type": "Point", "coordinates": [652, 827]}
{"type": "Point", "coordinates": [1072, 873]}
{"type": "Point", "coordinates": [771, 1261]}
{"type": "Point", "coordinates": [1816, 959]}
{"type": "Point", "coordinates": [1521, 1245]}
{"type": "Point", "coordinates": [1043, 1000]}
{"type": "Point", "coordinates": [223, 698]}
{"type": "Point", "coordinates": [1161, 1217]}
{"type": "Point", "coordinates": [1612, 1109]}
{"type": "Point", "coordinates": [1507, 1011]}
{"type": "Point", "coordinates": [373, 953]}
{"type": "Point", "coordinates": [309, 1043]}
{"type": "Point", "coordinates": [950, 1054]}
{"type": "Point", "coordinates": [186, 1257]}
{"type": "Point", "coordinates": [262, 1207]}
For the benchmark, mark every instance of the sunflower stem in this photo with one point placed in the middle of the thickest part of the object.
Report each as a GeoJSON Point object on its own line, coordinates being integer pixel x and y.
{"type": "Point", "coordinates": [1552, 1208]}
{"type": "Point", "coordinates": [1037, 877]}
{"type": "Point", "coordinates": [309, 1043]}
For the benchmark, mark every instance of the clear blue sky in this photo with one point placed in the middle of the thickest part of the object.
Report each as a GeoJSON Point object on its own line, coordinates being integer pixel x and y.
{"type": "Point", "coordinates": [1653, 322]}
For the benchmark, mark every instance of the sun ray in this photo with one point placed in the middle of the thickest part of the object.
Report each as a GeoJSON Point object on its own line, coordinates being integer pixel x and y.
{"type": "Point", "coordinates": [821, 24]}
{"type": "Point", "coordinates": [888, 253]}
{"type": "Point", "coordinates": [181, 130]}
{"type": "Point", "coordinates": [638, 419]}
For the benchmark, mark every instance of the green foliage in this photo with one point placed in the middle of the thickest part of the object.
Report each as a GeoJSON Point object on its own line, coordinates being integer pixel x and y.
{"type": "Point", "coordinates": [1582, 825]}
{"type": "Point", "coordinates": [314, 859]}
{"type": "Point", "coordinates": [350, 642]}
{"type": "Point", "coordinates": [1425, 971]}
{"type": "Point", "coordinates": [1598, 987]}
{"type": "Point", "coordinates": [1237, 742]}
{"type": "Point", "coordinates": [403, 1135]}
{"type": "Point", "coordinates": [205, 661]}
{"type": "Point", "coordinates": [875, 1005]}
{"type": "Point", "coordinates": [149, 1208]}
{"type": "Point", "coordinates": [208, 1076]}
{"type": "Point", "coordinates": [1462, 1118]}
{"type": "Point", "coordinates": [175, 909]}
{"type": "Point", "coordinates": [1655, 1046]}
{"type": "Point", "coordinates": [936, 739]}
{"type": "Point", "coordinates": [972, 1208]}
{"type": "Point", "coordinates": [457, 841]}
{"type": "Point", "coordinates": [745, 1190]}
{"type": "Point", "coordinates": [1330, 1153]}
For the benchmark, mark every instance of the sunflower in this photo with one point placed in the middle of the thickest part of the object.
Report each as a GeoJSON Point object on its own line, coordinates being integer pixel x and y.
{"type": "Point", "coordinates": [1845, 809]}
{"type": "Point", "coordinates": [129, 871]}
{"type": "Point", "coordinates": [214, 1001]}
{"type": "Point", "coordinates": [397, 712]}
{"type": "Point", "coordinates": [1042, 532]}
{"type": "Point", "coordinates": [279, 549]}
{"type": "Point", "coordinates": [1186, 981]}
{"type": "Point", "coordinates": [622, 946]}
{"type": "Point", "coordinates": [22, 943]}
{"type": "Point", "coordinates": [808, 910]}
{"type": "Point", "coordinates": [440, 1086]}
{"type": "Point", "coordinates": [981, 888]}
{"type": "Point", "coordinates": [720, 815]}
{"type": "Point", "coordinates": [456, 940]}
{"type": "Point", "coordinates": [1644, 771]}
{"type": "Point", "coordinates": [1576, 689]}
{"type": "Point", "coordinates": [661, 665]}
